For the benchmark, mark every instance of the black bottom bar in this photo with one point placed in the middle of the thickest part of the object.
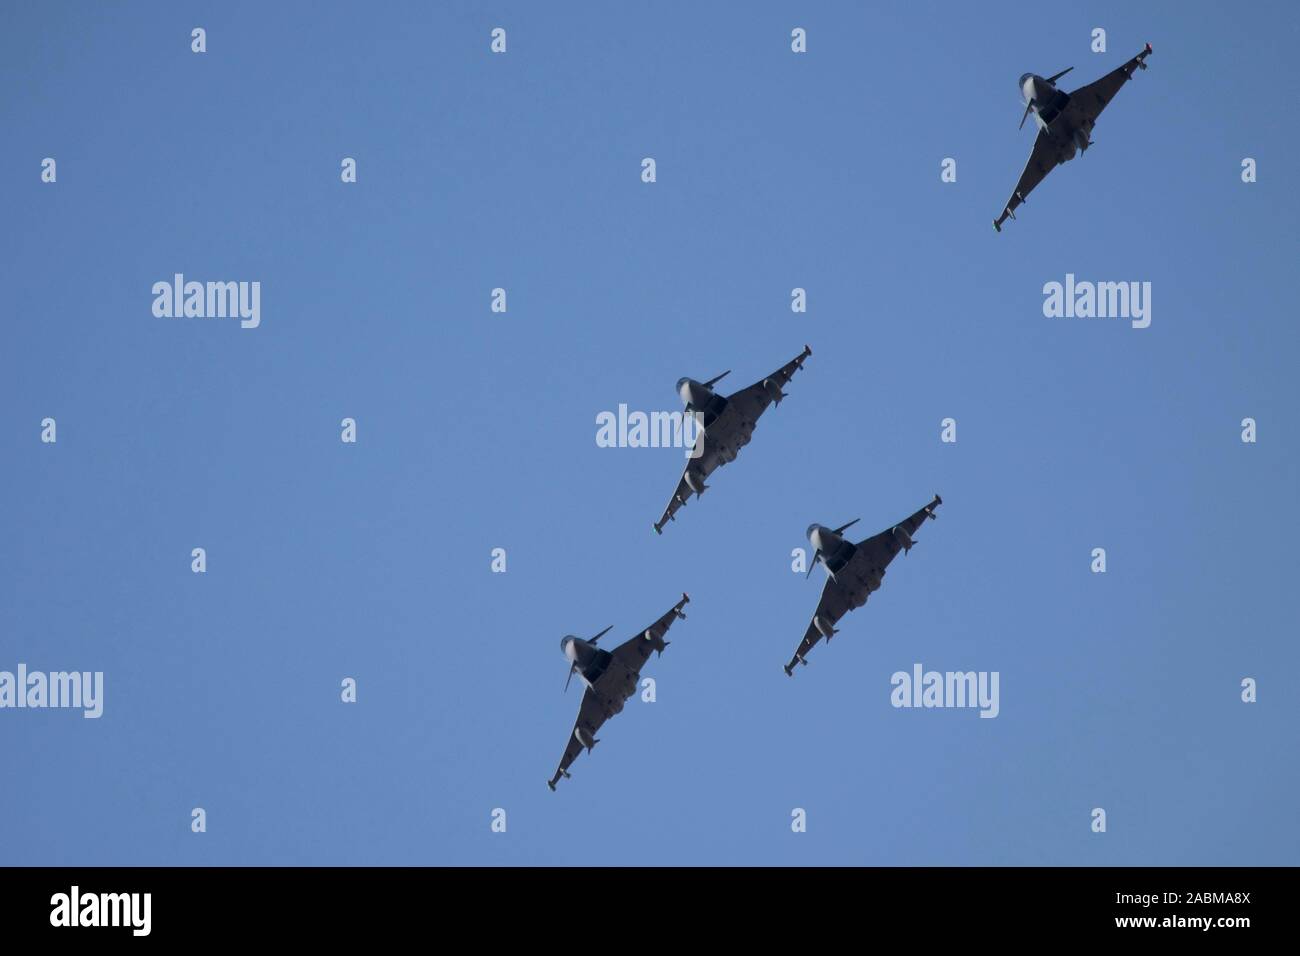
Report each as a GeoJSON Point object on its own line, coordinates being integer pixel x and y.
{"type": "Point", "coordinates": [542, 906]}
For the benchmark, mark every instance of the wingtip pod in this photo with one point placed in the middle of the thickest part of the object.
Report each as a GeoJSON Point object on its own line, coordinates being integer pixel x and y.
{"type": "Point", "coordinates": [807, 349]}
{"type": "Point", "coordinates": [658, 530]}
{"type": "Point", "coordinates": [551, 784]}
{"type": "Point", "coordinates": [997, 225]}
{"type": "Point", "coordinates": [789, 672]}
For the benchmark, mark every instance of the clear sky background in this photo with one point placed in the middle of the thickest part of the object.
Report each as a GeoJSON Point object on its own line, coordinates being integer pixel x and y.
{"type": "Point", "coordinates": [477, 431]}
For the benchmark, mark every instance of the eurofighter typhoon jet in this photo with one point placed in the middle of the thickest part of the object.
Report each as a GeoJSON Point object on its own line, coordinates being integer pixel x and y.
{"type": "Point", "coordinates": [727, 424]}
{"type": "Point", "coordinates": [853, 571]}
{"type": "Point", "coordinates": [1065, 122]}
{"type": "Point", "coordinates": [611, 678]}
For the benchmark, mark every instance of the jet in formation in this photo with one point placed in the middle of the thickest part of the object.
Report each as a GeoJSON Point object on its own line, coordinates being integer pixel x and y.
{"type": "Point", "coordinates": [1065, 122]}
{"type": "Point", "coordinates": [853, 571]}
{"type": "Point", "coordinates": [726, 426]}
{"type": "Point", "coordinates": [611, 678]}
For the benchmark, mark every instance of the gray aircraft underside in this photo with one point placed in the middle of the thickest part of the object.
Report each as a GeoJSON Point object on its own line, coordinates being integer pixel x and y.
{"type": "Point", "coordinates": [610, 678]}
{"type": "Point", "coordinates": [1065, 122]}
{"type": "Point", "coordinates": [728, 424]}
{"type": "Point", "coordinates": [853, 572]}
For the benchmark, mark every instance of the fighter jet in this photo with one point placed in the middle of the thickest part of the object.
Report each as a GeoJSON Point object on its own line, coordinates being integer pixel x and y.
{"type": "Point", "coordinates": [853, 571]}
{"type": "Point", "coordinates": [727, 424]}
{"type": "Point", "coordinates": [611, 678]}
{"type": "Point", "coordinates": [1065, 122]}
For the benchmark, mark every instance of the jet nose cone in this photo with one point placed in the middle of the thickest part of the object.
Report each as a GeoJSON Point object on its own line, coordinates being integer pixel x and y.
{"type": "Point", "coordinates": [693, 393]}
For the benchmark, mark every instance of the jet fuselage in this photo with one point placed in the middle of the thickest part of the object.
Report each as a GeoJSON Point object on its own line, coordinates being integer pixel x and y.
{"type": "Point", "coordinates": [836, 550]}
{"type": "Point", "coordinates": [724, 433]}
{"type": "Point", "coordinates": [852, 568]}
{"type": "Point", "coordinates": [589, 661]}
{"type": "Point", "coordinates": [699, 398]}
{"type": "Point", "coordinates": [1048, 104]}
{"type": "Point", "coordinates": [1043, 98]}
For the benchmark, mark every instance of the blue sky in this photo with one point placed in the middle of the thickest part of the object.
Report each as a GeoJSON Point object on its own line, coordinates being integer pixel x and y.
{"type": "Point", "coordinates": [476, 431]}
